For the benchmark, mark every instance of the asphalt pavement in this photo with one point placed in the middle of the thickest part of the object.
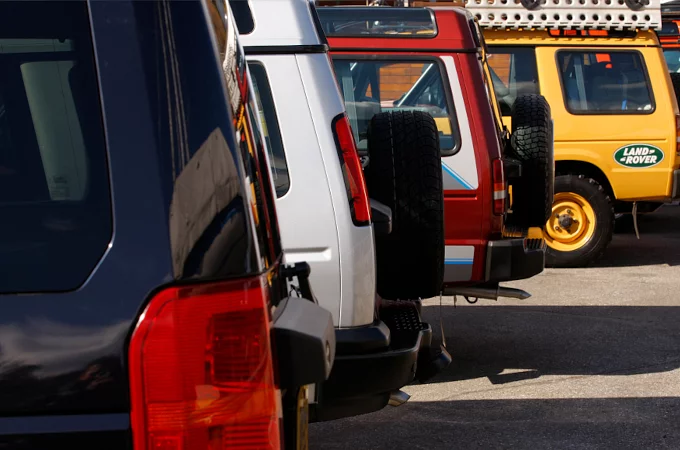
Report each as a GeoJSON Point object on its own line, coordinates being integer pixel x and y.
{"type": "Point", "coordinates": [590, 361]}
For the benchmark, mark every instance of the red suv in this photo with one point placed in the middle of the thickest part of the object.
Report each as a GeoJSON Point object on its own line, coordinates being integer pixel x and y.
{"type": "Point", "coordinates": [433, 60]}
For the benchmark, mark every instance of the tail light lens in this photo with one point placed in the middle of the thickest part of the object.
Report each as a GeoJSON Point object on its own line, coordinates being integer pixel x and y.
{"type": "Point", "coordinates": [201, 369]}
{"type": "Point", "coordinates": [677, 134]}
{"type": "Point", "coordinates": [352, 171]}
{"type": "Point", "coordinates": [499, 187]}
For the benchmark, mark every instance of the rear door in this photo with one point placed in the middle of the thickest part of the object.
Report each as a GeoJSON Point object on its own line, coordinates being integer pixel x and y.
{"type": "Point", "coordinates": [305, 209]}
{"type": "Point", "coordinates": [62, 345]}
{"type": "Point", "coordinates": [103, 108]}
{"type": "Point", "coordinates": [611, 107]}
{"type": "Point", "coordinates": [374, 84]}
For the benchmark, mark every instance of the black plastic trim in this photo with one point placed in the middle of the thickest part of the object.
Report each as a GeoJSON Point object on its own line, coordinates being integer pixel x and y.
{"type": "Point", "coordinates": [304, 342]}
{"type": "Point", "coordinates": [512, 168]}
{"type": "Point", "coordinates": [510, 259]}
{"type": "Point", "coordinates": [361, 382]}
{"type": "Point", "coordinates": [285, 49]}
{"type": "Point", "coordinates": [362, 340]}
{"type": "Point", "coordinates": [381, 216]}
{"type": "Point", "coordinates": [675, 195]}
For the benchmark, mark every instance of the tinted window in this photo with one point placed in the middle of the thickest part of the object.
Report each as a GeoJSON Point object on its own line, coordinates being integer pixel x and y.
{"type": "Point", "coordinates": [243, 16]}
{"type": "Point", "coordinates": [54, 189]}
{"type": "Point", "coordinates": [383, 22]}
{"type": "Point", "coordinates": [672, 59]}
{"type": "Point", "coordinates": [514, 73]}
{"type": "Point", "coordinates": [614, 82]}
{"type": "Point", "coordinates": [272, 134]}
{"type": "Point", "coordinates": [371, 87]}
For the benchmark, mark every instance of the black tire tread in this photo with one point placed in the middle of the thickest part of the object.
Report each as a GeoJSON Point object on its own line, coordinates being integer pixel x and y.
{"type": "Point", "coordinates": [404, 173]}
{"type": "Point", "coordinates": [531, 143]}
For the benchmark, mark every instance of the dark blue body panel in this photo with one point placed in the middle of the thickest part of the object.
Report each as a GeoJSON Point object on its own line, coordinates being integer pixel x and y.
{"type": "Point", "coordinates": [63, 375]}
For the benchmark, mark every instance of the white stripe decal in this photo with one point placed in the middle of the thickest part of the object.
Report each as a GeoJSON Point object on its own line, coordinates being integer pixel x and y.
{"type": "Point", "coordinates": [464, 162]}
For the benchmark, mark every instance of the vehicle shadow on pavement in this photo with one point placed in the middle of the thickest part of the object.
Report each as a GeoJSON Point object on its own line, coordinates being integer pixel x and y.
{"type": "Point", "coordinates": [525, 404]}
{"type": "Point", "coordinates": [611, 423]}
{"type": "Point", "coordinates": [512, 343]}
{"type": "Point", "coordinates": [659, 241]}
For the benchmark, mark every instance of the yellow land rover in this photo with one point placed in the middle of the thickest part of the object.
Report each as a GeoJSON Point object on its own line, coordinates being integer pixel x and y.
{"type": "Point", "coordinates": [601, 68]}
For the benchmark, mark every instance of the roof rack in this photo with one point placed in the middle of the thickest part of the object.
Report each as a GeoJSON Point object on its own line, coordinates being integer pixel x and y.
{"type": "Point", "coordinates": [569, 14]}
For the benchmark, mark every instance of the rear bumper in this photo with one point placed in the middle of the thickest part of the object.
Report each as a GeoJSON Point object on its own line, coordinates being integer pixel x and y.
{"type": "Point", "coordinates": [514, 259]}
{"type": "Point", "coordinates": [675, 190]}
{"type": "Point", "coordinates": [373, 361]}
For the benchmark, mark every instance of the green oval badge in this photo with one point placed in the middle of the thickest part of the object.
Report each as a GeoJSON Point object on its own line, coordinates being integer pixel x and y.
{"type": "Point", "coordinates": [637, 156]}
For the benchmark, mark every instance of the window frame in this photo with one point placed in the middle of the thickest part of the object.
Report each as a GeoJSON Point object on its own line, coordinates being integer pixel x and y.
{"type": "Point", "coordinates": [492, 49]}
{"type": "Point", "coordinates": [586, 50]}
{"type": "Point", "coordinates": [276, 120]}
{"type": "Point", "coordinates": [405, 59]}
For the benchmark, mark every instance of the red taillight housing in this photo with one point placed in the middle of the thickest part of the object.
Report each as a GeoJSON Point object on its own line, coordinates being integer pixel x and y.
{"type": "Point", "coordinates": [201, 369]}
{"type": "Point", "coordinates": [499, 187]}
{"type": "Point", "coordinates": [352, 171]}
{"type": "Point", "coordinates": [677, 133]}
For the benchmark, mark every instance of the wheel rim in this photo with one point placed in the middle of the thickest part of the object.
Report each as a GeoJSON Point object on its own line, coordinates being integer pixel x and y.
{"type": "Point", "coordinates": [571, 224]}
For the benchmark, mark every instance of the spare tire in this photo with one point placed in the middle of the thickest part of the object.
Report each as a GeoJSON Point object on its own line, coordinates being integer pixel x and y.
{"type": "Point", "coordinates": [404, 172]}
{"type": "Point", "coordinates": [531, 142]}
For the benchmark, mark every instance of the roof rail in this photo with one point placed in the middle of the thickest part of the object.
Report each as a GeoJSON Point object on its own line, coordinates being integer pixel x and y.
{"type": "Point", "coordinates": [567, 14]}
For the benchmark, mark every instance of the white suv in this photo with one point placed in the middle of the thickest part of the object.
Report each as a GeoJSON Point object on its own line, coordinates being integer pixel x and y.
{"type": "Point", "coordinates": [325, 215]}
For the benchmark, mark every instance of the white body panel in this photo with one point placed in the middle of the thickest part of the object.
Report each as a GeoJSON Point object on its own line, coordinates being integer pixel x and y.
{"type": "Point", "coordinates": [314, 215]}
{"type": "Point", "coordinates": [357, 249]}
{"type": "Point", "coordinates": [459, 171]}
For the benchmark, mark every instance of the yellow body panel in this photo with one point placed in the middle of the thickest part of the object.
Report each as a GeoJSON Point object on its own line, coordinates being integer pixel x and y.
{"type": "Point", "coordinates": [594, 138]}
{"type": "Point", "coordinates": [443, 125]}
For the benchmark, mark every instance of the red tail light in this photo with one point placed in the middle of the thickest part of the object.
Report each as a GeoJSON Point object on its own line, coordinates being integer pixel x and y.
{"type": "Point", "coordinates": [499, 188]}
{"type": "Point", "coordinates": [201, 370]}
{"type": "Point", "coordinates": [352, 171]}
{"type": "Point", "coordinates": [677, 134]}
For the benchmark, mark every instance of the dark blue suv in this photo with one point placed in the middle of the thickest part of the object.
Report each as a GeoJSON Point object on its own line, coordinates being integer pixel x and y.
{"type": "Point", "coordinates": [143, 303]}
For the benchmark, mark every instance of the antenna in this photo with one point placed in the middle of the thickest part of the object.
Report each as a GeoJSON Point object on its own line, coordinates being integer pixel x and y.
{"type": "Point", "coordinates": [567, 14]}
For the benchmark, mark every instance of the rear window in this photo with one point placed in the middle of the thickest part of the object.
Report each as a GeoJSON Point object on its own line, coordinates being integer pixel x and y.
{"type": "Point", "coordinates": [672, 56]}
{"type": "Point", "coordinates": [54, 189]}
{"type": "Point", "coordinates": [605, 83]}
{"type": "Point", "coordinates": [377, 22]}
{"type": "Point", "coordinates": [514, 73]}
{"type": "Point", "coordinates": [270, 128]}
{"type": "Point", "coordinates": [370, 87]}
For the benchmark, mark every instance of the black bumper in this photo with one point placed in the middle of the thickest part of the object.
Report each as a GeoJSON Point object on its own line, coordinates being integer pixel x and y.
{"type": "Point", "coordinates": [373, 361]}
{"type": "Point", "coordinates": [514, 259]}
{"type": "Point", "coordinates": [675, 194]}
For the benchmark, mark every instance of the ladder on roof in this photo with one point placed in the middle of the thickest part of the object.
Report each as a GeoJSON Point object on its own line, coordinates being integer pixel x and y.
{"type": "Point", "coordinates": [567, 14]}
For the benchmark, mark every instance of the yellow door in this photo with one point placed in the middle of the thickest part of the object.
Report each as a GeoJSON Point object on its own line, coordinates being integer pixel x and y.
{"type": "Point", "coordinates": [611, 108]}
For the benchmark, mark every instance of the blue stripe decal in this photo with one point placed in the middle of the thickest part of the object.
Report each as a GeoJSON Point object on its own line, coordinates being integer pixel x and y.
{"type": "Point", "coordinates": [458, 261]}
{"type": "Point", "coordinates": [456, 177]}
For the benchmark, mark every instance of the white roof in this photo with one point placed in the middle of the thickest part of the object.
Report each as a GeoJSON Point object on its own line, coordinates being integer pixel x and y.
{"type": "Point", "coordinates": [281, 23]}
{"type": "Point", "coordinates": [585, 14]}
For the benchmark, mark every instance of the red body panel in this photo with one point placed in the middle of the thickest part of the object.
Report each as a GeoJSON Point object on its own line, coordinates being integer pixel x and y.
{"type": "Point", "coordinates": [468, 214]}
